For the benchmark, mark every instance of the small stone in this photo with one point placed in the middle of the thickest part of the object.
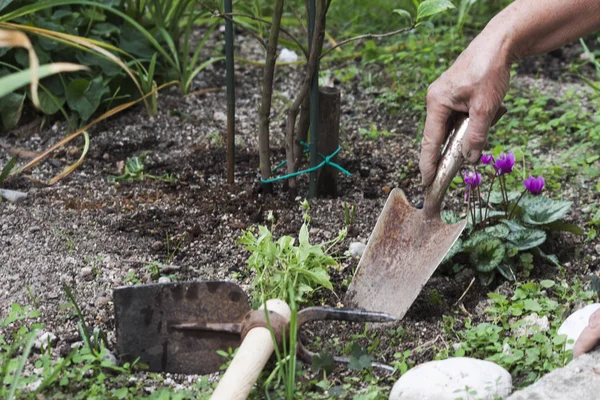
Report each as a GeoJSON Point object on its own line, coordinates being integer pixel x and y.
{"type": "Point", "coordinates": [33, 386]}
{"type": "Point", "coordinates": [287, 55]}
{"type": "Point", "coordinates": [447, 380]}
{"type": "Point", "coordinates": [597, 248]}
{"type": "Point", "coordinates": [529, 323]}
{"type": "Point", "coordinates": [357, 249]}
{"type": "Point", "coordinates": [386, 189]}
{"type": "Point", "coordinates": [110, 357]}
{"type": "Point", "coordinates": [164, 279]}
{"type": "Point", "coordinates": [76, 345]}
{"type": "Point", "coordinates": [87, 273]}
{"type": "Point", "coordinates": [576, 323]}
{"type": "Point", "coordinates": [102, 301]}
{"type": "Point", "coordinates": [220, 116]}
{"type": "Point", "coordinates": [157, 246]}
{"type": "Point", "coordinates": [70, 260]}
{"type": "Point", "coordinates": [12, 196]}
{"type": "Point", "coordinates": [43, 339]}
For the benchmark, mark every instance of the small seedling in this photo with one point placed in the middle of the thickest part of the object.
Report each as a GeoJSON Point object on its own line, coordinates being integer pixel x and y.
{"type": "Point", "coordinates": [134, 171]}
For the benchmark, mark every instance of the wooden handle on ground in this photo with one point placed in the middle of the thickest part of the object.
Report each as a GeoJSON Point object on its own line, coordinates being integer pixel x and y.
{"type": "Point", "coordinates": [250, 359]}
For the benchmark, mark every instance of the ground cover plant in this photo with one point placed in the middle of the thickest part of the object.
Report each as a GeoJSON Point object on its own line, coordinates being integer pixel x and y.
{"type": "Point", "coordinates": [150, 201]}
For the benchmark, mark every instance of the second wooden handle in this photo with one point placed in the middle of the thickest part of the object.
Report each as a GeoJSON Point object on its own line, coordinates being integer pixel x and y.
{"type": "Point", "coordinates": [250, 359]}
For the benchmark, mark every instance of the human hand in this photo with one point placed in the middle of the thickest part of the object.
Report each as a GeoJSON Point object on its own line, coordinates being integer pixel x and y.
{"type": "Point", "coordinates": [590, 337]}
{"type": "Point", "coordinates": [475, 85]}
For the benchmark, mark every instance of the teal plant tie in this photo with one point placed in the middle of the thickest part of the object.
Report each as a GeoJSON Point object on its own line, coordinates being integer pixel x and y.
{"type": "Point", "coordinates": [326, 161]}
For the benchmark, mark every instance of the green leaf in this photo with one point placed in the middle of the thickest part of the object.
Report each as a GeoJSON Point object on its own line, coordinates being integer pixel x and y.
{"type": "Point", "coordinates": [5, 3]}
{"type": "Point", "coordinates": [105, 29]}
{"type": "Point", "coordinates": [498, 231]}
{"type": "Point", "coordinates": [487, 255]}
{"type": "Point", "coordinates": [404, 13]}
{"type": "Point", "coordinates": [432, 7]}
{"type": "Point", "coordinates": [513, 225]}
{"type": "Point", "coordinates": [559, 226]}
{"type": "Point", "coordinates": [7, 168]}
{"type": "Point", "coordinates": [526, 239]}
{"type": "Point", "coordinates": [11, 107]}
{"type": "Point", "coordinates": [322, 362]}
{"type": "Point", "coordinates": [50, 104]}
{"type": "Point", "coordinates": [551, 258]}
{"type": "Point", "coordinates": [454, 250]}
{"type": "Point", "coordinates": [449, 217]}
{"type": "Point", "coordinates": [496, 197]}
{"type": "Point", "coordinates": [84, 96]}
{"type": "Point", "coordinates": [507, 272]}
{"type": "Point", "coordinates": [547, 283]}
{"type": "Point", "coordinates": [541, 210]}
{"type": "Point", "coordinates": [532, 305]}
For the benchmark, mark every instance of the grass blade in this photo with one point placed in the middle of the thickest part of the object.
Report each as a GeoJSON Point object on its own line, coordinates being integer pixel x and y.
{"type": "Point", "coordinates": [14, 81]}
{"type": "Point", "coordinates": [19, 39]}
{"type": "Point", "coordinates": [22, 361]}
{"type": "Point", "coordinates": [7, 168]}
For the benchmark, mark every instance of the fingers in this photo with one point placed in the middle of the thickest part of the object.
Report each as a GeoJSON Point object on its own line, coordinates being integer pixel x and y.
{"type": "Point", "coordinates": [590, 337]}
{"type": "Point", "coordinates": [480, 120]}
{"type": "Point", "coordinates": [434, 136]}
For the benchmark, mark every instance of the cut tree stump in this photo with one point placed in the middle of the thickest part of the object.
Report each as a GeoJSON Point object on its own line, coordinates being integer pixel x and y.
{"type": "Point", "coordinates": [329, 134]}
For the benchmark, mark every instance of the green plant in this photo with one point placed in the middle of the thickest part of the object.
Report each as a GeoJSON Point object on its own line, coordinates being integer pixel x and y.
{"type": "Point", "coordinates": [349, 214]}
{"type": "Point", "coordinates": [515, 335]}
{"type": "Point", "coordinates": [373, 133]}
{"type": "Point", "coordinates": [134, 170]}
{"type": "Point", "coordinates": [279, 263]}
{"type": "Point", "coordinates": [504, 224]}
{"type": "Point", "coordinates": [156, 271]}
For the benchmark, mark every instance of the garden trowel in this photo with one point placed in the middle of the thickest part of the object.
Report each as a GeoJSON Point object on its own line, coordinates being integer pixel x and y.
{"type": "Point", "coordinates": [408, 244]}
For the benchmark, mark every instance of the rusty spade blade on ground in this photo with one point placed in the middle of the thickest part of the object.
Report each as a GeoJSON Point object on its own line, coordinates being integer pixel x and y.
{"type": "Point", "coordinates": [408, 244]}
{"type": "Point", "coordinates": [178, 327]}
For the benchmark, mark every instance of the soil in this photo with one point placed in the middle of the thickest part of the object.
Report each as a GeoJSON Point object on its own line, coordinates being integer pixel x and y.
{"type": "Point", "coordinates": [59, 233]}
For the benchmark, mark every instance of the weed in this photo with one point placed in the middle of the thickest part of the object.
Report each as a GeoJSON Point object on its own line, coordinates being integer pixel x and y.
{"type": "Point", "coordinates": [349, 214]}
{"type": "Point", "coordinates": [373, 133]}
{"type": "Point", "coordinates": [277, 263]}
{"type": "Point", "coordinates": [134, 170]}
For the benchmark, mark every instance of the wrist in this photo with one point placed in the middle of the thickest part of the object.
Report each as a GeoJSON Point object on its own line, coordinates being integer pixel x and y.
{"type": "Point", "coordinates": [504, 39]}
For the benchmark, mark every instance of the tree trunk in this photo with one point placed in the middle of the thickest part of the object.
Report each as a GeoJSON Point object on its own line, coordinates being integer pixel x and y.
{"type": "Point", "coordinates": [329, 127]}
{"type": "Point", "coordinates": [267, 93]}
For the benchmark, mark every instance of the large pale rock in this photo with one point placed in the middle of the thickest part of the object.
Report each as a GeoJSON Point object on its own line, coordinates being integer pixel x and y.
{"type": "Point", "coordinates": [579, 380]}
{"type": "Point", "coordinates": [448, 380]}
{"type": "Point", "coordinates": [576, 323]}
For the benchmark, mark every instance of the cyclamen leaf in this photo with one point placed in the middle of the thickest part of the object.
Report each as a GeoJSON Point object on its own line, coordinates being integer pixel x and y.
{"type": "Point", "coordinates": [432, 7]}
{"type": "Point", "coordinates": [496, 197]}
{"type": "Point", "coordinates": [499, 231]}
{"type": "Point", "coordinates": [487, 255]}
{"type": "Point", "coordinates": [449, 217]}
{"type": "Point", "coordinates": [454, 250]}
{"type": "Point", "coordinates": [559, 226]}
{"type": "Point", "coordinates": [507, 272]}
{"type": "Point", "coordinates": [526, 239]}
{"type": "Point", "coordinates": [542, 210]}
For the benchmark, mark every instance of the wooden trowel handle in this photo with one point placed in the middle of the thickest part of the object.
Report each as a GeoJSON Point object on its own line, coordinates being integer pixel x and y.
{"type": "Point", "coordinates": [250, 359]}
{"type": "Point", "coordinates": [449, 163]}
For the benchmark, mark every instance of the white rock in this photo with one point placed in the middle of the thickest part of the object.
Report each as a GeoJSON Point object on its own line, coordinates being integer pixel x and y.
{"type": "Point", "coordinates": [110, 357]}
{"type": "Point", "coordinates": [287, 55]}
{"type": "Point", "coordinates": [219, 116]}
{"type": "Point", "coordinates": [33, 386]}
{"type": "Point", "coordinates": [576, 323]}
{"type": "Point", "coordinates": [42, 340]}
{"type": "Point", "coordinates": [12, 195]}
{"type": "Point", "coordinates": [531, 321]}
{"type": "Point", "coordinates": [357, 249]}
{"type": "Point", "coordinates": [447, 380]}
{"type": "Point", "coordinates": [164, 279]}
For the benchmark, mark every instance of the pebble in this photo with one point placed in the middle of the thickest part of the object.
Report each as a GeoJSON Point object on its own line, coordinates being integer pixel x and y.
{"type": "Point", "coordinates": [102, 301]}
{"type": "Point", "coordinates": [110, 357]}
{"type": "Point", "coordinates": [357, 249]}
{"type": "Point", "coordinates": [164, 279]}
{"type": "Point", "coordinates": [86, 273]}
{"type": "Point", "coordinates": [42, 340]}
{"type": "Point", "coordinates": [287, 55]}
{"type": "Point", "coordinates": [219, 116]}
{"type": "Point", "coordinates": [13, 196]}
{"type": "Point", "coordinates": [576, 323]}
{"type": "Point", "coordinates": [530, 322]}
{"type": "Point", "coordinates": [447, 380]}
{"type": "Point", "coordinates": [597, 248]}
{"type": "Point", "coordinates": [157, 246]}
{"type": "Point", "coordinates": [70, 260]}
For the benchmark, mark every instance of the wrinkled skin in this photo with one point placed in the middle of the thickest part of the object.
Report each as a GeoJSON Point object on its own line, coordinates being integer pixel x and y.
{"type": "Point", "coordinates": [590, 337]}
{"type": "Point", "coordinates": [478, 81]}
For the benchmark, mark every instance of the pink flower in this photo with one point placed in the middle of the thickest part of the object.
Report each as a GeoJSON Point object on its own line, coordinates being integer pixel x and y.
{"type": "Point", "coordinates": [534, 185]}
{"type": "Point", "coordinates": [472, 179]}
{"type": "Point", "coordinates": [505, 164]}
{"type": "Point", "coordinates": [487, 159]}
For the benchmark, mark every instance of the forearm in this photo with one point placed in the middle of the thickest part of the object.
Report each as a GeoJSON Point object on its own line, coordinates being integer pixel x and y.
{"type": "Point", "coordinates": [529, 27]}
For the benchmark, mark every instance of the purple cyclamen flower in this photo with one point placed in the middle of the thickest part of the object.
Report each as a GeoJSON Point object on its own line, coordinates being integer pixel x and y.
{"type": "Point", "coordinates": [487, 159]}
{"type": "Point", "coordinates": [472, 179]}
{"type": "Point", "coordinates": [534, 185]}
{"type": "Point", "coordinates": [505, 164]}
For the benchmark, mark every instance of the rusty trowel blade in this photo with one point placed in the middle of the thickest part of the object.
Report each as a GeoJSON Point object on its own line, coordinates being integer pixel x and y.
{"type": "Point", "coordinates": [403, 251]}
{"type": "Point", "coordinates": [146, 315]}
